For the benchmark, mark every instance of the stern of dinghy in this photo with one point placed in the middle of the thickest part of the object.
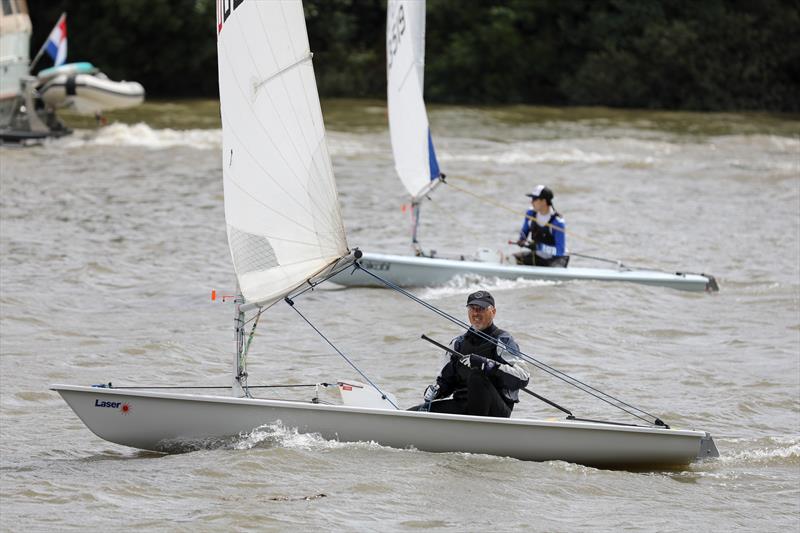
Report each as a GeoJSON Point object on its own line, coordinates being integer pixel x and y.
{"type": "Point", "coordinates": [711, 286]}
{"type": "Point", "coordinates": [708, 450]}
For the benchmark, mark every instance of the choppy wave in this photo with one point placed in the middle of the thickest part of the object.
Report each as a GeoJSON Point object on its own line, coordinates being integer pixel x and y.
{"type": "Point", "coordinates": [463, 284]}
{"type": "Point", "coordinates": [766, 143]}
{"type": "Point", "coordinates": [265, 436]}
{"type": "Point", "coordinates": [142, 135]}
{"type": "Point", "coordinates": [762, 153]}
{"type": "Point", "coordinates": [625, 151]}
{"type": "Point", "coordinates": [451, 150]}
{"type": "Point", "coordinates": [349, 145]}
{"type": "Point", "coordinates": [277, 434]}
{"type": "Point", "coordinates": [775, 450]}
{"type": "Point", "coordinates": [516, 156]}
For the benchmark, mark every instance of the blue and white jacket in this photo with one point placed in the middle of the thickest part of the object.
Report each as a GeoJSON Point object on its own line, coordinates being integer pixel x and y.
{"type": "Point", "coordinates": [549, 242]}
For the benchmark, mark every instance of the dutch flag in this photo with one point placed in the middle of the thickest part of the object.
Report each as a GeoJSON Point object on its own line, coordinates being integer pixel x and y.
{"type": "Point", "coordinates": [57, 42]}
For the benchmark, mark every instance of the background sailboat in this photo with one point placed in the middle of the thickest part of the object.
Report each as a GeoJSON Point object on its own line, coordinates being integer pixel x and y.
{"type": "Point", "coordinates": [418, 169]}
{"type": "Point", "coordinates": [285, 231]}
{"type": "Point", "coordinates": [414, 155]}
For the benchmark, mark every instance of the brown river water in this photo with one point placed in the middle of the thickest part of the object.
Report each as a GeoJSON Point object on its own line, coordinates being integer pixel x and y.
{"type": "Point", "coordinates": [111, 241]}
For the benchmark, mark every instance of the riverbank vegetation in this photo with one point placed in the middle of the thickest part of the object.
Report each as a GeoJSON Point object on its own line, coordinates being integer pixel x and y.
{"type": "Point", "coordinates": [657, 54]}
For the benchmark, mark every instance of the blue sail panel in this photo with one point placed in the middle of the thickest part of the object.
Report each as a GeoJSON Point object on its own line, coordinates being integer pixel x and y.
{"type": "Point", "coordinates": [434, 164]}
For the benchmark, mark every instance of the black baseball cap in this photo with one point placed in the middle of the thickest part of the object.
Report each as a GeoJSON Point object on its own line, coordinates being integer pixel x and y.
{"type": "Point", "coordinates": [481, 299]}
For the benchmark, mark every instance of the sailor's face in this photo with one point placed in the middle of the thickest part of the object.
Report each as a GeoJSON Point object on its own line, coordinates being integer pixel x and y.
{"type": "Point", "coordinates": [480, 317]}
{"type": "Point", "coordinates": [540, 205]}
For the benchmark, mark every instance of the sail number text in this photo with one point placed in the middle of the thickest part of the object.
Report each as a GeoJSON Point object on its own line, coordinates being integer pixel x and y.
{"type": "Point", "coordinates": [397, 29]}
{"type": "Point", "coordinates": [224, 10]}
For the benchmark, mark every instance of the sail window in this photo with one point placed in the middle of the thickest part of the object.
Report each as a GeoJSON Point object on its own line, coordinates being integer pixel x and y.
{"type": "Point", "coordinates": [251, 253]}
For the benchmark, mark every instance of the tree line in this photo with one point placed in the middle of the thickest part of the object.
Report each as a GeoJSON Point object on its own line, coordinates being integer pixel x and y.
{"type": "Point", "coordinates": [659, 54]}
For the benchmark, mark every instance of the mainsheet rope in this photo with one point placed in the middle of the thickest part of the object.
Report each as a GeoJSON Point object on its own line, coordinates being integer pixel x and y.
{"type": "Point", "coordinates": [584, 387]}
{"type": "Point", "coordinates": [588, 389]}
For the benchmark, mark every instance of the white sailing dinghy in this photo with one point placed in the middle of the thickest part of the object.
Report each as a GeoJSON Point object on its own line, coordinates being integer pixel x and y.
{"type": "Point", "coordinates": [418, 170]}
{"type": "Point", "coordinates": [285, 231]}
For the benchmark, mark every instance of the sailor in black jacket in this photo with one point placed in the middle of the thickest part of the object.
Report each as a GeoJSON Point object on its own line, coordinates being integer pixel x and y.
{"type": "Point", "coordinates": [486, 380]}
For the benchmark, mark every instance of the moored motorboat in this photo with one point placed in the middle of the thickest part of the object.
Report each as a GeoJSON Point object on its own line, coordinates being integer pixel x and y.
{"type": "Point", "coordinates": [15, 35]}
{"type": "Point", "coordinates": [28, 103]}
{"type": "Point", "coordinates": [23, 116]}
{"type": "Point", "coordinates": [83, 88]}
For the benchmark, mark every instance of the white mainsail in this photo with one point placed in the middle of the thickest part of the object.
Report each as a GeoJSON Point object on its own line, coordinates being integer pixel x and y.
{"type": "Point", "coordinates": [281, 206]}
{"type": "Point", "coordinates": [414, 156]}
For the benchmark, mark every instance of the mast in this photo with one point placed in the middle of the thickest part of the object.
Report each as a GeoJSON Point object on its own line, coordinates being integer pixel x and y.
{"type": "Point", "coordinates": [282, 210]}
{"type": "Point", "coordinates": [416, 203]}
{"type": "Point", "coordinates": [239, 373]}
{"type": "Point", "coordinates": [415, 208]}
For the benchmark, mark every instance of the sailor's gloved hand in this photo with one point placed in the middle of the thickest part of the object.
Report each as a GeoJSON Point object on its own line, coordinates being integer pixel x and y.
{"type": "Point", "coordinates": [430, 393]}
{"type": "Point", "coordinates": [483, 363]}
{"type": "Point", "coordinates": [464, 360]}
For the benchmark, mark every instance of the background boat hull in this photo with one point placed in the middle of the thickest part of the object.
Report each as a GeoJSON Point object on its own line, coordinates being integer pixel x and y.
{"type": "Point", "coordinates": [407, 271]}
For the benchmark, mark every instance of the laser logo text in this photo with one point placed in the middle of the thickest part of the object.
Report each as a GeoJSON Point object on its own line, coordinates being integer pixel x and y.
{"type": "Point", "coordinates": [123, 407]}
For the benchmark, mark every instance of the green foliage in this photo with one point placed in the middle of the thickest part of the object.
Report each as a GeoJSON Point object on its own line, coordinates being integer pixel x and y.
{"type": "Point", "coordinates": [347, 38]}
{"type": "Point", "coordinates": [705, 57]}
{"type": "Point", "coordinates": [669, 54]}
